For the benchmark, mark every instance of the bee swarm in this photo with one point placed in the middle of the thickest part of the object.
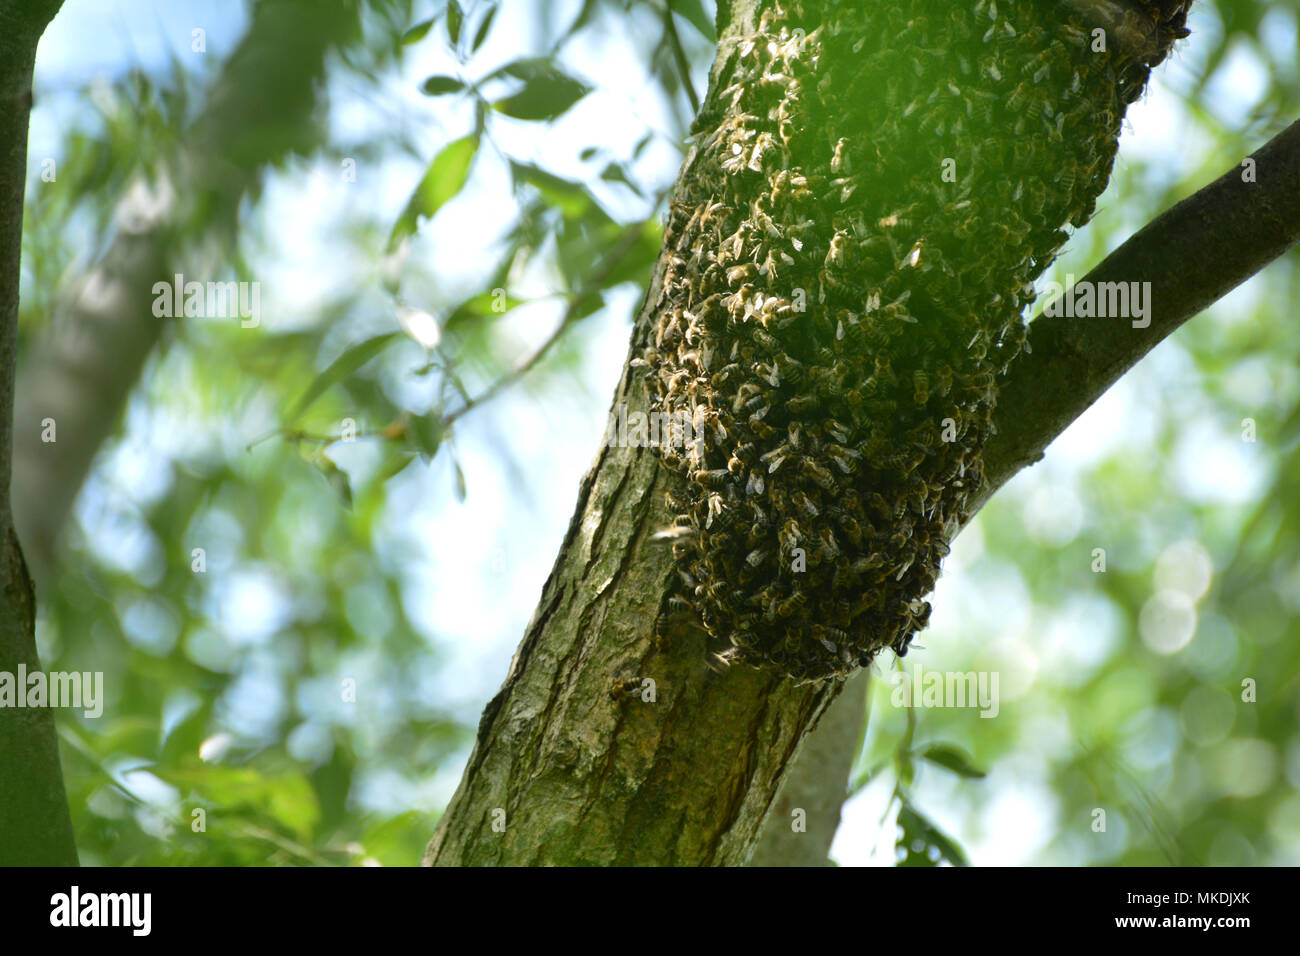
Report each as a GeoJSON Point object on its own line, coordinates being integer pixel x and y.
{"type": "Point", "coordinates": [836, 311]}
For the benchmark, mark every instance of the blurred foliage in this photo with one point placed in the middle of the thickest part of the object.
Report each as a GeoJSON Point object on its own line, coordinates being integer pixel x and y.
{"type": "Point", "coordinates": [283, 680]}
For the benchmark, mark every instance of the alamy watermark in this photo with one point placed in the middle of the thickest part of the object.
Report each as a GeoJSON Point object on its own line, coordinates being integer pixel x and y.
{"type": "Point", "coordinates": [55, 689]}
{"type": "Point", "coordinates": [1100, 300]}
{"type": "Point", "coordinates": [946, 689]}
{"type": "Point", "coordinates": [676, 429]}
{"type": "Point", "coordinates": [221, 300]}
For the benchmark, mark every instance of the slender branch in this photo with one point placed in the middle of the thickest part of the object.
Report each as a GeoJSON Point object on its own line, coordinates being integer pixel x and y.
{"type": "Point", "coordinates": [593, 283]}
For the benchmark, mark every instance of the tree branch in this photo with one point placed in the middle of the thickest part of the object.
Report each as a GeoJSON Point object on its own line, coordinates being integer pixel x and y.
{"type": "Point", "coordinates": [1192, 254]}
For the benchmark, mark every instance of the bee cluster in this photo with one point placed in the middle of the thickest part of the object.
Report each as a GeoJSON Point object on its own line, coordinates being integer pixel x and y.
{"type": "Point", "coordinates": [873, 190]}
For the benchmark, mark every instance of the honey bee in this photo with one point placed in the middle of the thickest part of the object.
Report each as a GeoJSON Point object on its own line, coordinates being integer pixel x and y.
{"type": "Point", "coordinates": [804, 404]}
{"type": "Point", "coordinates": [819, 475]}
{"type": "Point", "coordinates": [837, 254]}
{"type": "Point", "coordinates": [787, 607]}
{"type": "Point", "coordinates": [852, 530]}
{"type": "Point", "coordinates": [805, 504]}
{"type": "Point", "coordinates": [839, 158]}
{"type": "Point", "coordinates": [921, 387]}
{"type": "Point", "coordinates": [766, 339]}
{"type": "Point", "coordinates": [776, 457]}
{"type": "Point", "coordinates": [622, 688]}
{"type": "Point", "coordinates": [741, 273]}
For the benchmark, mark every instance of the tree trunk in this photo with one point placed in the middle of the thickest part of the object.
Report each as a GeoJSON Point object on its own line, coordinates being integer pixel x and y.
{"type": "Point", "coordinates": [87, 360]}
{"type": "Point", "coordinates": [35, 826]}
{"type": "Point", "coordinates": [608, 744]}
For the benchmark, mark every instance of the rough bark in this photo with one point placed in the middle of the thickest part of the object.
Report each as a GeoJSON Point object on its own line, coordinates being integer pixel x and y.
{"type": "Point", "coordinates": [35, 825]}
{"type": "Point", "coordinates": [566, 771]}
{"type": "Point", "coordinates": [817, 784]}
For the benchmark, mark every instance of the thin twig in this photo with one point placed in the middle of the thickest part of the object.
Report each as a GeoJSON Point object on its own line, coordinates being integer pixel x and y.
{"type": "Point", "coordinates": [616, 255]}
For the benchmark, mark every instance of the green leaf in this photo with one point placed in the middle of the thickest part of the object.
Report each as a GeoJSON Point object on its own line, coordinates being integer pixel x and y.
{"type": "Point", "coordinates": [455, 19]}
{"type": "Point", "coordinates": [951, 758]}
{"type": "Point", "coordinates": [919, 831]}
{"type": "Point", "coordinates": [447, 175]}
{"type": "Point", "coordinates": [427, 433]}
{"type": "Point", "coordinates": [440, 85]}
{"type": "Point", "coordinates": [338, 480]}
{"type": "Point", "coordinates": [287, 798]}
{"type": "Point", "coordinates": [482, 32]}
{"type": "Point", "coordinates": [479, 307]}
{"type": "Point", "coordinates": [461, 490]}
{"type": "Point", "coordinates": [395, 465]}
{"type": "Point", "coordinates": [614, 173]}
{"type": "Point", "coordinates": [571, 198]}
{"type": "Point", "coordinates": [636, 264]}
{"type": "Point", "coordinates": [544, 97]}
{"type": "Point", "coordinates": [526, 69]}
{"type": "Point", "coordinates": [343, 366]}
{"type": "Point", "coordinates": [417, 32]}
